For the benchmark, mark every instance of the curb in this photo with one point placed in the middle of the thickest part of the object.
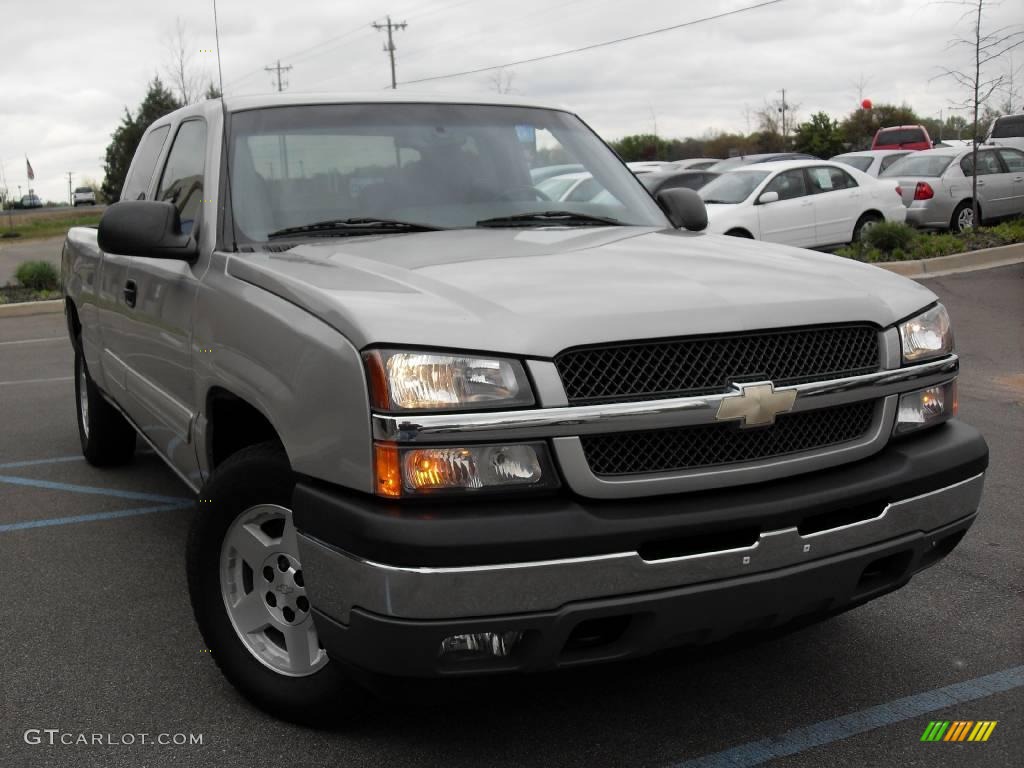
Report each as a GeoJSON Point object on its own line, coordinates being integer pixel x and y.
{"type": "Point", "coordinates": [986, 258]}
{"type": "Point", "coordinates": [23, 308]}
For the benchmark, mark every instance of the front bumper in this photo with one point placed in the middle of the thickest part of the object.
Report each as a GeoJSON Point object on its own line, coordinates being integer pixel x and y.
{"type": "Point", "coordinates": [390, 582]}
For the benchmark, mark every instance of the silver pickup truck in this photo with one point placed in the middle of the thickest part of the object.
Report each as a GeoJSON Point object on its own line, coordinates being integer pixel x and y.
{"type": "Point", "coordinates": [439, 424]}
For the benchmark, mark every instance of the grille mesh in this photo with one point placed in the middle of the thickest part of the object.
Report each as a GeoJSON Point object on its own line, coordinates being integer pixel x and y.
{"type": "Point", "coordinates": [714, 444]}
{"type": "Point", "coordinates": [695, 366]}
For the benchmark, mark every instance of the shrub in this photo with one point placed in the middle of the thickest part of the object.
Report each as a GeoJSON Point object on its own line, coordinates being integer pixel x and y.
{"type": "Point", "coordinates": [888, 236]}
{"type": "Point", "coordinates": [37, 276]}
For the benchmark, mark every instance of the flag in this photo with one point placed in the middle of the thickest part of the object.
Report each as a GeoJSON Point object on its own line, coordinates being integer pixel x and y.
{"type": "Point", "coordinates": [29, 171]}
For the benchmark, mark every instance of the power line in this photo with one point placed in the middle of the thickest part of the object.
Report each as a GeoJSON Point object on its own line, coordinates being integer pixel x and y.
{"type": "Point", "coordinates": [596, 45]}
{"type": "Point", "coordinates": [389, 46]}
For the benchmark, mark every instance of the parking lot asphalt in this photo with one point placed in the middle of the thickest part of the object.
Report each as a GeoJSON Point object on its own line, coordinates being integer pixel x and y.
{"type": "Point", "coordinates": [97, 635]}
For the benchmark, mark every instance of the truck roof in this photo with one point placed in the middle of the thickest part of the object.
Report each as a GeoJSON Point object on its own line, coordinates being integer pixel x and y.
{"type": "Point", "coordinates": [241, 103]}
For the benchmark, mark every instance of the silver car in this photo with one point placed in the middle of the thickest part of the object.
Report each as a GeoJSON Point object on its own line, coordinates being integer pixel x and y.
{"type": "Point", "coordinates": [872, 161]}
{"type": "Point", "coordinates": [936, 186]}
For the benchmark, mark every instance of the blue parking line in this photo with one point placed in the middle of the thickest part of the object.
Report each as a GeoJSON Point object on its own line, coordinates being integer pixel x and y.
{"type": "Point", "coordinates": [88, 489]}
{"type": "Point", "coordinates": [828, 731]}
{"type": "Point", "coordinates": [90, 518]}
{"type": "Point", "coordinates": [36, 462]}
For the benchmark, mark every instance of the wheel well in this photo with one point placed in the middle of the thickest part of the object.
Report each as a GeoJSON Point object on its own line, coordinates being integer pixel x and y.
{"type": "Point", "coordinates": [232, 424]}
{"type": "Point", "coordinates": [872, 214]}
{"type": "Point", "coordinates": [739, 232]}
{"type": "Point", "coordinates": [74, 324]}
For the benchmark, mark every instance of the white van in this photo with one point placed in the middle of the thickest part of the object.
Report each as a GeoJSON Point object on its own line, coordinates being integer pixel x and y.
{"type": "Point", "coordinates": [1007, 131]}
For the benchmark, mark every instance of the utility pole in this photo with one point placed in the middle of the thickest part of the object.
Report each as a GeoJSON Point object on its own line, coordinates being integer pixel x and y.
{"type": "Point", "coordinates": [279, 69]}
{"type": "Point", "coordinates": [389, 46]}
{"type": "Point", "coordinates": [71, 200]}
{"type": "Point", "coordinates": [782, 109]}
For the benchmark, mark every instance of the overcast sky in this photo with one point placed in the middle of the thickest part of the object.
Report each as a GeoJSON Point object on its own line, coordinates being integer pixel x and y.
{"type": "Point", "coordinates": [70, 68]}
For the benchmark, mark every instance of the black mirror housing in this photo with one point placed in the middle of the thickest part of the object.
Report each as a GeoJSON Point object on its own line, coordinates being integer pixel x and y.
{"type": "Point", "coordinates": [684, 208]}
{"type": "Point", "coordinates": [147, 228]}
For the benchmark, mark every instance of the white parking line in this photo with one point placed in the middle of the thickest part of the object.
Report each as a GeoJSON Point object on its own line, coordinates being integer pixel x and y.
{"type": "Point", "coordinates": [33, 341]}
{"type": "Point", "coordinates": [35, 381]}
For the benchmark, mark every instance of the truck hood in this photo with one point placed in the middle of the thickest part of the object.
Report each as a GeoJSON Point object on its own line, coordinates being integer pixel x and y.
{"type": "Point", "coordinates": [535, 292]}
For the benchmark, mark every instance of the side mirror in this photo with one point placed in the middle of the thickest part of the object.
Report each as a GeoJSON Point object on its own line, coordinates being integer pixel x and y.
{"type": "Point", "coordinates": [684, 208]}
{"type": "Point", "coordinates": [145, 228]}
{"type": "Point", "coordinates": [768, 197]}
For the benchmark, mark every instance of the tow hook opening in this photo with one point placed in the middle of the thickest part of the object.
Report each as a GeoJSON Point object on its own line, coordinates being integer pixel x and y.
{"type": "Point", "coordinates": [596, 633]}
{"type": "Point", "coordinates": [885, 571]}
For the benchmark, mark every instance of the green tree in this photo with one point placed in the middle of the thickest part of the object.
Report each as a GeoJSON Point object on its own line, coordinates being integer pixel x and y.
{"type": "Point", "coordinates": [642, 146]}
{"type": "Point", "coordinates": [820, 136]}
{"type": "Point", "coordinates": [125, 139]}
{"type": "Point", "coordinates": [860, 126]}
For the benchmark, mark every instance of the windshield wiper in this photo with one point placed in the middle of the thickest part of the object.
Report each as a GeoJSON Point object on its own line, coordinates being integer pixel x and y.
{"type": "Point", "coordinates": [563, 218]}
{"type": "Point", "coordinates": [352, 227]}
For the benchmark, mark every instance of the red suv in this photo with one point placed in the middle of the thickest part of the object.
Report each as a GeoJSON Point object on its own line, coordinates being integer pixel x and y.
{"type": "Point", "coordinates": [902, 137]}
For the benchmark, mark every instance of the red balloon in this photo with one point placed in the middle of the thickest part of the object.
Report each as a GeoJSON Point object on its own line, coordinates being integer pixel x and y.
{"type": "Point", "coordinates": [866, 104]}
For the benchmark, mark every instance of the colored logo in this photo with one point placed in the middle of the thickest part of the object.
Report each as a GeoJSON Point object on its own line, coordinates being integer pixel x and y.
{"type": "Point", "coordinates": [959, 730]}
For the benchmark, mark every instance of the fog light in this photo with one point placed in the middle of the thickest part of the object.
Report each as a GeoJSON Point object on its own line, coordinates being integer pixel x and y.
{"type": "Point", "coordinates": [480, 645]}
{"type": "Point", "coordinates": [926, 407]}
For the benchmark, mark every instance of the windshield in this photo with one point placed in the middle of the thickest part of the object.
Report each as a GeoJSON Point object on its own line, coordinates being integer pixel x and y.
{"type": "Point", "coordinates": [919, 164]}
{"type": "Point", "coordinates": [860, 162]}
{"type": "Point", "coordinates": [437, 165]}
{"type": "Point", "coordinates": [732, 187]}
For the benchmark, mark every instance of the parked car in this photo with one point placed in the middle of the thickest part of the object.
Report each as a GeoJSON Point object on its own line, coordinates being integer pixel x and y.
{"type": "Point", "coordinates": [648, 166]}
{"type": "Point", "coordinates": [769, 157]}
{"type": "Point", "coordinates": [438, 427]}
{"type": "Point", "coordinates": [936, 186]}
{"type": "Point", "coordinates": [808, 203]}
{"type": "Point", "coordinates": [31, 201]}
{"type": "Point", "coordinates": [538, 175]}
{"type": "Point", "coordinates": [1007, 131]}
{"type": "Point", "coordinates": [902, 137]}
{"type": "Point", "coordinates": [672, 179]}
{"type": "Point", "coordinates": [873, 161]}
{"type": "Point", "coordinates": [84, 196]}
{"type": "Point", "coordinates": [571, 187]}
{"type": "Point", "coordinates": [695, 163]}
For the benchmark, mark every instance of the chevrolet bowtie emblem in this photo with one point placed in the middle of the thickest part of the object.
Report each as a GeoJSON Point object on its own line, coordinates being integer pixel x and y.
{"type": "Point", "coordinates": [756, 404]}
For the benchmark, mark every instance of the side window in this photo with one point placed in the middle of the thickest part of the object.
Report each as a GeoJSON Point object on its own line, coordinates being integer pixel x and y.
{"type": "Point", "coordinates": [141, 171]}
{"type": "Point", "coordinates": [788, 184]}
{"type": "Point", "coordinates": [888, 160]}
{"type": "Point", "coordinates": [987, 163]}
{"type": "Point", "coordinates": [1013, 158]}
{"type": "Point", "coordinates": [182, 180]}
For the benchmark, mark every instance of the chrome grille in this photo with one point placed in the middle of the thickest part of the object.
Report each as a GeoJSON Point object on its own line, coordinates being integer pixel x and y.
{"type": "Point", "coordinates": [649, 370]}
{"type": "Point", "coordinates": [711, 445]}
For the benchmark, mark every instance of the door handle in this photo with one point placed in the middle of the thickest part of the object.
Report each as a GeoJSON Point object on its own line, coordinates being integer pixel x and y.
{"type": "Point", "coordinates": [130, 292]}
{"type": "Point", "coordinates": [981, 182]}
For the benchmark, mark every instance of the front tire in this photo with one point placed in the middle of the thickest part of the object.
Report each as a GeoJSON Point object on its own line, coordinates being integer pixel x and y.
{"type": "Point", "coordinates": [248, 592]}
{"type": "Point", "coordinates": [106, 436]}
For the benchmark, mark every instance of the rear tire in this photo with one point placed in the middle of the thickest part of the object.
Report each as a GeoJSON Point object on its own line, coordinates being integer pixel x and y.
{"type": "Point", "coordinates": [248, 593]}
{"type": "Point", "coordinates": [106, 436]}
{"type": "Point", "coordinates": [963, 217]}
{"type": "Point", "coordinates": [864, 224]}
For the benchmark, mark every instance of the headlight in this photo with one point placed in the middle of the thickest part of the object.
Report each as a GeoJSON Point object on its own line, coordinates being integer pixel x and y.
{"type": "Point", "coordinates": [413, 381]}
{"type": "Point", "coordinates": [926, 407]}
{"type": "Point", "coordinates": [415, 471]}
{"type": "Point", "coordinates": [926, 336]}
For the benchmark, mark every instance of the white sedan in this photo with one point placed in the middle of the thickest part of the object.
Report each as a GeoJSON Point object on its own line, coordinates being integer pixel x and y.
{"type": "Point", "coordinates": [807, 203]}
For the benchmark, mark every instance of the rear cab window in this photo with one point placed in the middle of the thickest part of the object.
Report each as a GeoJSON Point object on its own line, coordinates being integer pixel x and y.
{"type": "Point", "coordinates": [897, 136]}
{"type": "Point", "coordinates": [140, 174]}
{"type": "Point", "coordinates": [1009, 127]}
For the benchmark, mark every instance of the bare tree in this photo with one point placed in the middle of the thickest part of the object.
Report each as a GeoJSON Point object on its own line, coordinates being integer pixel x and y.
{"type": "Point", "coordinates": [987, 47]}
{"type": "Point", "coordinates": [501, 81]}
{"type": "Point", "coordinates": [183, 75]}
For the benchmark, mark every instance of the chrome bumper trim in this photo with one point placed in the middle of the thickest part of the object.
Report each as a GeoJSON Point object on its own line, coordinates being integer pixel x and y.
{"type": "Point", "coordinates": [338, 581]}
{"type": "Point", "coordinates": [649, 414]}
